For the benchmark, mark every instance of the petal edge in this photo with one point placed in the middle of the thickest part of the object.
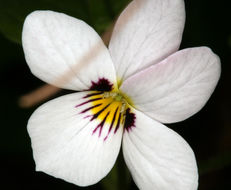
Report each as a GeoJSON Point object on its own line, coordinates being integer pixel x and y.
{"type": "Point", "coordinates": [158, 157]}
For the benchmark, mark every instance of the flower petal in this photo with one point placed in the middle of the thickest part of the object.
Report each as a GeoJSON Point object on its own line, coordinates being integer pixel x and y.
{"type": "Point", "coordinates": [157, 157]}
{"type": "Point", "coordinates": [177, 87]}
{"type": "Point", "coordinates": [65, 51]}
{"type": "Point", "coordinates": [70, 144]}
{"type": "Point", "coordinates": [145, 33]}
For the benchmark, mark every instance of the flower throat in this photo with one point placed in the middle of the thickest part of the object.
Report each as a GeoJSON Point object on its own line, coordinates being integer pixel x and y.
{"type": "Point", "coordinates": [110, 108]}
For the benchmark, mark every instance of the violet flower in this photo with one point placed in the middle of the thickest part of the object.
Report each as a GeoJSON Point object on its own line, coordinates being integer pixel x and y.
{"type": "Point", "coordinates": [125, 94]}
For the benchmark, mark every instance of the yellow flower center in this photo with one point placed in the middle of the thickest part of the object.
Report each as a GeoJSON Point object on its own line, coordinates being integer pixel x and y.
{"type": "Point", "coordinates": [109, 107]}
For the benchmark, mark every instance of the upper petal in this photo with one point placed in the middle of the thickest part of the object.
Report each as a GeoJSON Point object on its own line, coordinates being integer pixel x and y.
{"type": "Point", "coordinates": [69, 143]}
{"type": "Point", "coordinates": [177, 87]}
{"type": "Point", "coordinates": [146, 32]}
{"type": "Point", "coordinates": [157, 157]}
{"type": "Point", "coordinates": [65, 51]}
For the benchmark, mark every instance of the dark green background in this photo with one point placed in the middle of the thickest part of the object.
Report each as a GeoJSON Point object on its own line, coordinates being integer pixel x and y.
{"type": "Point", "coordinates": [208, 132]}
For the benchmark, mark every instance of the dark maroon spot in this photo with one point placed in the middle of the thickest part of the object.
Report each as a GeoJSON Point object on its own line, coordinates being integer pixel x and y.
{"type": "Point", "coordinates": [100, 126]}
{"type": "Point", "coordinates": [129, 120]}
{"type": "Point", "coordinates": [102, 85]}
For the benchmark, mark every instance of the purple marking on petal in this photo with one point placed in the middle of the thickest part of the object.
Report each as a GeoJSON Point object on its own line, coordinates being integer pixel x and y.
{"type": "Point", "coordinates": [129, 120]}
{"type": "Point", "coordinates": [99, 112]}
{"type": "Point", "coordinates": [102, 85]}
{"type": "Point", "coordinates": [92, 107]}
{"type": "Point", "coordinates": [92, 100]}
{"type": "Point", "coordinates": [100, 125]}
{"type": "Point", "coordinates": [112, 123]}
{"type": "Point", "coordinates": [87, 116]}
{"type": "Point", "coordinates": [118, 124]}
{"type": "Point", "coordinates": [92, 94]}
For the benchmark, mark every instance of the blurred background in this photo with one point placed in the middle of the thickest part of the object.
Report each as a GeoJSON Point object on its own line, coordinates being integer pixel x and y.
{"type": "Point", "coordinates": [208, 132]}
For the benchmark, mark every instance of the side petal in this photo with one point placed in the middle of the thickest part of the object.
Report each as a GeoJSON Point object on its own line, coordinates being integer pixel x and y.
{"type": "Point", "coordinates": [145, 33]}
{"type": "Point", "coordinates": [177, 87]}
{"type": "Point", "coordinates": [157, 157]}
{"type": "Point", "coordinates": [65, 51]}
{"type": "Point", "coordinates": [70, 144]}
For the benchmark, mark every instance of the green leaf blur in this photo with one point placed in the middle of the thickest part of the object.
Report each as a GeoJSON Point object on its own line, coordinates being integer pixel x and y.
{"type": "Point", "coordinates": [97, 13]}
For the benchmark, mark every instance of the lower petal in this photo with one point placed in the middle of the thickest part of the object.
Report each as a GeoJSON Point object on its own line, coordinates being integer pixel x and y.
{"type": "Point", "coordinates": [157, 157]}
{"type": "Point", "coordinates": [68, 144]}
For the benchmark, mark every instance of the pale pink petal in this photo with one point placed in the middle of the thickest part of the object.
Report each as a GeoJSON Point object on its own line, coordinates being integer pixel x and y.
{"type": "Point", "coordinates": [157, 157]}
{"type": "Point", "coordinates": [146, 32]}
{"type": "Point", "coordinates": [177, 87]}
{"type": "Point", "coordinates": [65, 51]}
{"type": "Point", "coordinates": [70, 143]}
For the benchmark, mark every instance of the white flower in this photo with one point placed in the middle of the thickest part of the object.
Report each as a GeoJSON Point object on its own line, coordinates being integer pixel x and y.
{"type": "Point", "coordinates": [126, 93]}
